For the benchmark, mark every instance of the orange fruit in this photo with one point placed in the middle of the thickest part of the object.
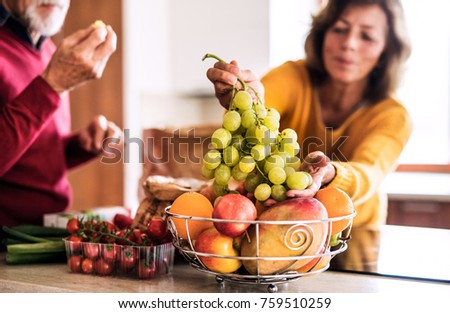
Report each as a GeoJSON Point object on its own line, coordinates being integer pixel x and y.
{"type": "Point", "coordinates": [191, 204]}
{"type": "Point", "coordinates": [338, 204]}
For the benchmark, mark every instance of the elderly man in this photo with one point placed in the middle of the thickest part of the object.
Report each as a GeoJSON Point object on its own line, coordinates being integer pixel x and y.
{"type": "Point", "coordinates": [36, 145]}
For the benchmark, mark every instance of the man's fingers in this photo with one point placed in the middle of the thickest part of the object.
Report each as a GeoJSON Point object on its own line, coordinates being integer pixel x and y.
{"type": "Point", "coordinates": [77, 37]}
{"type": "Point", "coordinates": [95, 38]}
{"type": "Point", "coordinates": [99, 128]}
{"type": "Point", "coordinates": [108, 46]}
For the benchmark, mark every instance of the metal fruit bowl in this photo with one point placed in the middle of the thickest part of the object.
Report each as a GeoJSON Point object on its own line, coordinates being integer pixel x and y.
{"type": "Point", "coordinates": [298, 235]}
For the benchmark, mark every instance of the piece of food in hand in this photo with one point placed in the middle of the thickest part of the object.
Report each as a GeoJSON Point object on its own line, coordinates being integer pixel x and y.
{"type": "Point", "coordinates": [212, 242]}
{"type": "Point", "coordinates": [286, 239]}
{"type": "Point", "coordinates": [233, 207]}
{"type": "Point", "coordinates": [99, 24]}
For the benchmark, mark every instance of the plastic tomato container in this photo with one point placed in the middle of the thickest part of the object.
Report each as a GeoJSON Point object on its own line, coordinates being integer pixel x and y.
{"type": "Point", "coordinates": [141, 262]}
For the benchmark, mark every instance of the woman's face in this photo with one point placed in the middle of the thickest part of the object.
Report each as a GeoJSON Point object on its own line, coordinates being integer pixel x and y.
{"type": "Point", "coordinates": [353, 45]}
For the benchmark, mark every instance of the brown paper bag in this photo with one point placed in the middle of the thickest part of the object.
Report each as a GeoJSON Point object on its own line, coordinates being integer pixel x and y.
{"type": "Point", "coordinates": [172, 162]}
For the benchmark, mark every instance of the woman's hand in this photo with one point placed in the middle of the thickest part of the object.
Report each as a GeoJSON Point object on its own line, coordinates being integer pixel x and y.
{"type": "Point", "coordinates": [96, 137]}
{"type": "Point", "coordinates": [224, 76]}
{"type": "Point", "coordinates": [322, 172]}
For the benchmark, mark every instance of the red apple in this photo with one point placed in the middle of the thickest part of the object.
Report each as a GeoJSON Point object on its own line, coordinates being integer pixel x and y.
{"type": "Point", "coordinates": [234, 207]}
{"type": "Point", "coordinates": [212, 242]}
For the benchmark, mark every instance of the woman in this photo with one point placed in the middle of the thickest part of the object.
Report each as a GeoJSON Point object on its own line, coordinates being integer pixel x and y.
{"type": "Point", "coordinates": [340, 99]}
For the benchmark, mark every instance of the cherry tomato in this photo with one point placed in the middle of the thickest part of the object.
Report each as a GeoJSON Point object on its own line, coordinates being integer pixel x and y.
{"type": "Point", "coordinates": [147, 269]}
{"type": "Point", "coordinates": [91, 250]}
{"type": "Point", "coordinates": [126, 234]}
{"type": "Point", "coordinates": [102, 267]}
{"type": "Point", "coordinates": [75, 263]}
{"type": "Point", "coordinates": [75, 243]}
{"type": "Point", "coordinates": [137, 238]}
{"type": "Point", "coordinates": [109, 252]}
{"type": "Point", "coordinates": [73, 226]}
{"type": "Point", "coordinates": [87, 266]}
{"type": "Point", "coordinates": [122, 221]}
{"type": "Point", "coordinates": [157, 228]}
{"type": "Point", "coordinates": [128, 257]}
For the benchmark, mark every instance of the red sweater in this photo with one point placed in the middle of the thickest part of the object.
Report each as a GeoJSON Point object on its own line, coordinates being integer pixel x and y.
{"type": "Point", "coordinates": [36, 147]}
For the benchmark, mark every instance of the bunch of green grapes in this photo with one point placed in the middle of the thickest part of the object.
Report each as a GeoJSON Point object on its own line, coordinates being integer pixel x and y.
{"type": "Point", "coordinates": [250, 147]}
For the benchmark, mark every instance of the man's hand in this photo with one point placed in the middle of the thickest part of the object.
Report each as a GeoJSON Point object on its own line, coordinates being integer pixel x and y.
{"type": "Point", "coordinates": [95, 136]}
{"type": "Point", "coordinates": [81, 57]}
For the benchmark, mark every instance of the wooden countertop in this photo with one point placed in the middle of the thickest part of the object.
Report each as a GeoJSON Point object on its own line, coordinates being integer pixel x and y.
{"type": "Point", "coordinates": [53, 278]}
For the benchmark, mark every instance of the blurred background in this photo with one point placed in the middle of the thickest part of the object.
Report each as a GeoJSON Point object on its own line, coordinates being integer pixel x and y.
{"type": "Point", "coordinates": [156, 79]}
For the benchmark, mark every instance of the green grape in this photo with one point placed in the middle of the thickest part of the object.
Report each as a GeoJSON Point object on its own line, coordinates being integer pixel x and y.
{"type": "Point", "coordinates": [237, 141]}
{"type": "Point", "coordinates": [206, 172]}
{"type": "Point", "coordinates": [263, 192]}
{"type": "Point", "coordinates": [217, 200]}
{"type": "Point", "coordinates": [283, 154]}
{"type": "Point", "coordinates": [230, 156]}
{"type": "Point", "coordinates": [237, 174]}
{"type": "Point", "coordinates": [212, 159]}
{"type": "Point", "coordinates": [293, 162]}
{"type": "Point", "coordinates": [273, 137]}
{"type": "Point", "coordinates": [273, 161]}
{"type": "Point", "coordinates": [219, 190]}
{"type": "Point", "coordinates": [252, 181]}
{"type": "Point", "coordinates": [222, 174]}
{"type": "Point", "coordinates": [241, 130]}
{"type": "Point", "coordinates": [242, 100]}
{"type": "Point", "coordinates": [260, 151]}
{"type": "Point", "coordinates": [309, 177]}
{"type": "Point", "coordinates": [247, 164]}
{"type": "Point", "coordinates": [260, 110]}
{"type": "Point", "coordinates": [231, 121]}
{"type": "Point", "coordinates": [298, 181]}
{"type": "Point", "coordinates": [262, 134]}
{"type": "Point", "coordinates": [288, 170]}
{"type": "Point", "coordinates": [334, 239]}
{"type": "Point", "coordinates": [221, 138]}
{"type": "Point", "coordinates": [274, 112]}
{"type": "Point", "coordinates": [248, 118]}
{"type": "Point", "coordinates": [291, 147]}
{"type": "Point", "coordinates": [289, 133]}
{"type": "Point", "coordinates": [250, 136]}
{"type": "Point", "coordinates": [278, 193]}
{"type": "Point", "coordinates": [271, 122]}
{"type": "Point", "coordinates": [277, 175]}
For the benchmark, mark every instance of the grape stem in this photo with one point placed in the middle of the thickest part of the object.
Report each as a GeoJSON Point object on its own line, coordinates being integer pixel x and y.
{"type": "Point", "coordinates": [213, 56]}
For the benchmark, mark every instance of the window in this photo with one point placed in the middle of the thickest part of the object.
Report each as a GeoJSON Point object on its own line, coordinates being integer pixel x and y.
{"type": "Point", "coordinates": [425, 89]}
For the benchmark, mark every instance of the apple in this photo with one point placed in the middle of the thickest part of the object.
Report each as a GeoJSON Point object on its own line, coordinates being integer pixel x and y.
{"type": "Point", "coordinates": [212, 242]}
{"type": "Point", "coordinates": [234, 206]}
{"type": "Point", "coordinates": [290, 239]}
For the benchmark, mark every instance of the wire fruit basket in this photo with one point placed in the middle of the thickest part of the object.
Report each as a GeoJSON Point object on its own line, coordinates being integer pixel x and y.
{"type": "Point", "coordinates": [289, 260]}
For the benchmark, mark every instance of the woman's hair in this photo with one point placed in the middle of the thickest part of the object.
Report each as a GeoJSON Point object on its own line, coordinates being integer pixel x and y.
{"type": "Point", "coordinates": [385, 77]}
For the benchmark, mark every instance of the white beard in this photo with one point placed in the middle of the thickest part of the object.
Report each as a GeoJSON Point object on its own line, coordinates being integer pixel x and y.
{"type": "Point", "coordinates": [46, 25]}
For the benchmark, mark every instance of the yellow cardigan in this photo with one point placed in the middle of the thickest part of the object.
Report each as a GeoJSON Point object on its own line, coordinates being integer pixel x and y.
{"type": "Point", "coordinates": [364, 149]}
